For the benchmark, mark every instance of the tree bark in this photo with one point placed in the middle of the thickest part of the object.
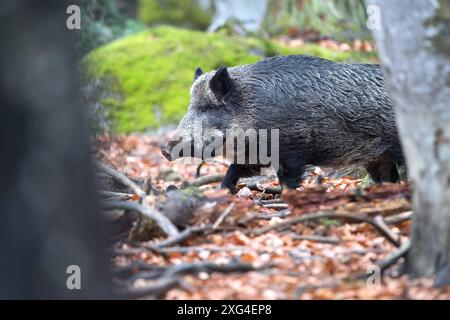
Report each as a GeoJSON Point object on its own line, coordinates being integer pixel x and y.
{"type": "Point", "coordinates": [414, 48]}
{"type": "Point", "coordinates": [49, 212]}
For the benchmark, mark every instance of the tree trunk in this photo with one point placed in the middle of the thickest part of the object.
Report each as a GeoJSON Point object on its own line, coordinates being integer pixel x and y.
{"type": "Point", "coordinates": [50, 221]}
{"type": "Point", "coordinates": [249, 13]}
{"type": "Point", "coordinates": [414, 48]}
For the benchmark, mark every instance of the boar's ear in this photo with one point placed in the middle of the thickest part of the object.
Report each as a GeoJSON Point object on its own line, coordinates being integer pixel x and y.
{"type": "Point", "coordinates": [220, 83]}
{"type": "Point", "coordinates": [198, 73]}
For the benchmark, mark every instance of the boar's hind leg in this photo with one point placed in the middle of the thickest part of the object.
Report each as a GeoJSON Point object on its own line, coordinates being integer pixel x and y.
{"type": "Point", "coordinates": [236, 171]}
{"type": "Point", "coordinates": [383, 169]}
{"type": "Point", "coordinates": [290, 176]}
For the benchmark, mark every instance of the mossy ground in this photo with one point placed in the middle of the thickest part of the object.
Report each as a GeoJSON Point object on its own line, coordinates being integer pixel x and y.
{"type": "Point", "coordinates": [187, 13]}
{"type": "Point", "coordinates": [153, 70]}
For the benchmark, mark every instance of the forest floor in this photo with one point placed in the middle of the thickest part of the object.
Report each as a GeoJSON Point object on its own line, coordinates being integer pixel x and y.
{"type": "Point", "coordinates": [330, 240]}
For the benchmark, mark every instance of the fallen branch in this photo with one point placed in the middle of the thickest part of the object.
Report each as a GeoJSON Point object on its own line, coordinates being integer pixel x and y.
{"type": "Point", "coordinates": [332, 240]}
{"type": "Point", "coordinates": [181, 237]}
{"type": "Point", "coordinates": [207, 266]}
{"type": "Point", "coordinates": [392, 237]}
{"type": "Point", "coordinates": [266, 216]}
{"type": "Point", "coordinates": [193, 268]}
{"type": "Point", "coordinates": [159, 288]}
{"type": "Point", "coordinates": [161, 247]}
{"type": "Point", "coordinates": [125, 271]}
{"type": "Point", "coordinates": [387, 262]}
{"type": "Point", "coordinates": [162, 221]}
{"type": "Point", "coordinates": [399, 218]}
{"type": "Point", "coordinates": [278, 214]}
{"type": "Point", "coordinates": [268, 190]}
{"type": "Point", "coordinates": [180, 249]}
{"type": "Point", "coordinates": [276, 206]}
{"type": "Point", "coordinates": [204, 180]}
{"type": "Point", "coordinates": [393, 258]}
{"type": "Point", "coordinates": [271, 201]}
{"type": "Point", "coordinates": [121, 178]}
{"type": "Point", "coordinates": [325, 215]}
{"type": "Point", "coordinates": [115, 195]}
{"type": "Point", "coordinates": [132, 251]}
{"type": "Point", "coordinates": [223, 215]}
{"type": "Point", "coordinates": [202, 249]}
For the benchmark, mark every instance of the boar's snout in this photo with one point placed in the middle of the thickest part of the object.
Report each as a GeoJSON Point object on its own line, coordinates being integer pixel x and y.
{"type": "Point", "coordinates": [167, 150]}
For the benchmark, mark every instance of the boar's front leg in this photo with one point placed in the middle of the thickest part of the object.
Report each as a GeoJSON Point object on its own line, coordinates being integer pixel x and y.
{"type": "Point", "coordinates": [236, 171]}
{"type": "Point", "coordinates": [290, 175]}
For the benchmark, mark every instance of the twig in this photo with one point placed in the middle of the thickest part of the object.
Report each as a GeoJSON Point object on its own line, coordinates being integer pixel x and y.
{"type": "Point", "coordinates": [224, 162]}
{"type": "Point", "coordinates": [127, 270]}
{"type": "Point", "coordinates": [387, 262]}
{"type": "Point", "coordinates": [397, 254]}
{"type": "Point", "coordinates": [276, 206]}
{"type": "Point", "coordinates": [159, 288]}
{"type": "Point", "coordinates": [261, 196]}
{"type": "Point", "coordinates": [212, 160]}
{"type": "Point", "coordinates": [393, 238]}
{"type": "Point", "coordinates": [399, 218]}
{"type": "Point", "coordinates": [223, 215]}
{"type": "Point", "coordinates": [149, 189]}
{"type": "Point", "coordinates": [204, 180]}
{"type": "Point", "coordinates": [324, 215]}
{"type": "Point", "coordinates": [159, 247]}
{"type": "Point", "coordinates": [332, 240]}
{"type": "Point", "coordinates": [121, 178]}
{"type": "Point", "coordinates": [266, 216]}
{"type": "Point", "coordinates": [132, 251]}
{"type": "Point", "coordinates": [116, 195]}
{"type": "Point", "coordinates": [199, 167]}
{"type": "Point", "coordinates": [271, 201]}
{"type": "Point", "coordinates": [181, 237]}
{"type": "Point", "coordinates": [194, 267]}
{"type": "Point", "coordinates": [207, 266]}
{"type": "Point", "coordinates": [285, 224]}
{"type": "Point", "coordinates": [269, 190]}
{"type": "Point", "coordinates": [181, 249]}
{"type": "Point", "coordinates": [163, 222]}
{"type": "Point", "coordinates": [202, 249]}
{"type": "Point", "coordinates": [278, 214]}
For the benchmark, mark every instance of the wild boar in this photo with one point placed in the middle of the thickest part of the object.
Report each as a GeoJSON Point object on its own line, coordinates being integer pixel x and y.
{"type": "Point", "coordinates": [325, 113]}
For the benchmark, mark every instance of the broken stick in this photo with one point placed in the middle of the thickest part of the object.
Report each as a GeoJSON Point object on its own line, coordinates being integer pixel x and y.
{"type": "Point", "coordinates": [162, 221]}
{"type": "Point", "coordinates": [121, 178]}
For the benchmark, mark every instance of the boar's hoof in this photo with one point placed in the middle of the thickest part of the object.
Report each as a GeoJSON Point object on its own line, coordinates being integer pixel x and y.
{"type": "Point", "coordinates": [230, 186]}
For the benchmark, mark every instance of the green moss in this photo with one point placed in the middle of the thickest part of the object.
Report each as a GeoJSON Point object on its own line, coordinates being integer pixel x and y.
{"type": "Point", "coordinates": [152, 71]}
{"type": "Point", "coordinates": [187, 13]}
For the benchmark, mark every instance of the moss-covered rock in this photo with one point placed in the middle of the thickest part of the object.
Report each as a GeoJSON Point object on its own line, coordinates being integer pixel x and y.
{"type": "Point", "coordinates": [186, 13]}
{"type": "Point", "coordinates": [149, 74]}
